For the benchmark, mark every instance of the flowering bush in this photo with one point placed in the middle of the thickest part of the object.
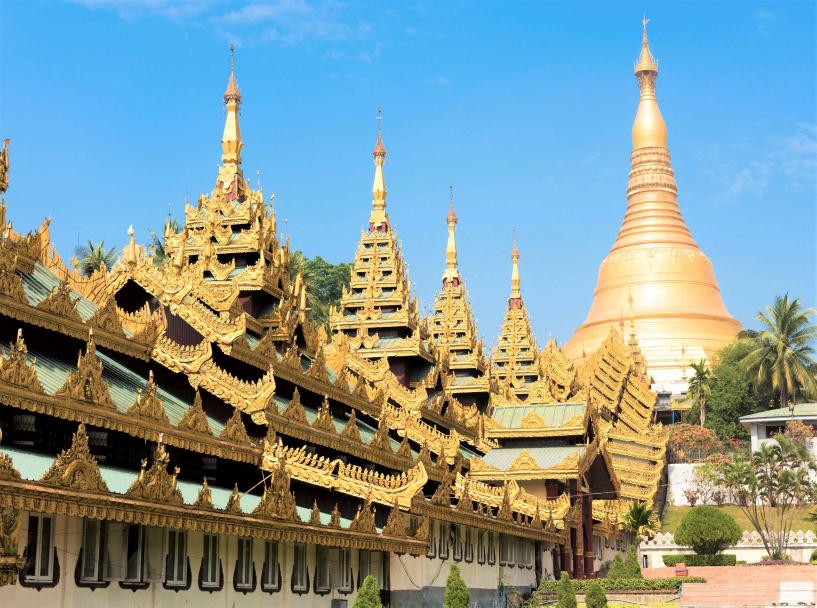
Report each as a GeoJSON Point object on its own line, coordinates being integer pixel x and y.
{"type": "Point", "coordinates": [692, 440]}
{"type": "Point", "coordinates": [799, 432]}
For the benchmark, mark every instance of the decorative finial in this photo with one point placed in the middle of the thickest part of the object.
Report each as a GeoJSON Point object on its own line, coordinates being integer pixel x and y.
{"type": "Point", "coordinates": [644, 22]}
{"type": "Point", "coordinates": [515, 301]}
{"type": "Point", "coordinates": [646, 62]}
{"type": "Point", "coordinates": [451, 275]}
{"type": "Point", "coordinates": [232, 93]}
{"type": "Point", "coordinates": [379, 149]}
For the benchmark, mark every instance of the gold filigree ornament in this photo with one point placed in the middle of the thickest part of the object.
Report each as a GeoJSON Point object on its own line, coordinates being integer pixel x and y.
{"type": "Point", "coordinates": [16, 369]}
{"type": "Point", "coordinates": [86, 383]}
{"type": "Point", "coordinates": [75, 467]}
{"type": "Point", "coordinates": [155, 483]}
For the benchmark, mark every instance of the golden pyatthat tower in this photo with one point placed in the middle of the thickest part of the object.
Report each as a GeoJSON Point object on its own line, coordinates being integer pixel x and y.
{"type": "Point", "coordinates": [655, 272]}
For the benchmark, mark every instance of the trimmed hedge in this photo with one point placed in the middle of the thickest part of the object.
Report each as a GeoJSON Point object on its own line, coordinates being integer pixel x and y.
{"type": "Point", "coordinates": [692, 559]}
{"type": "Point", "coordinates": [625, 584]}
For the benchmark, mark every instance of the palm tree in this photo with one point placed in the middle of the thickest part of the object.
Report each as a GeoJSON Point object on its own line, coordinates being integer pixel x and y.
{"type": "Point", "coordinates": [93, 256]}
{"type": "Point", "coordinates": [157, 242]}
{"type": "Point", "coordinates": [641, 520]}
{"type": "Point", "coordinates": [783, 356]}
{"type": "Point", "coordinates": [700, 386]}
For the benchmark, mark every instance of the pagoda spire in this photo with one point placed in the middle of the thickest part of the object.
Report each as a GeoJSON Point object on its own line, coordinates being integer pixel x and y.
{"type": "Point", "coordinates": [655, 266]}
{"type": "Point", "coordinates": [230, 176]}
{"type": "Point", "coordinates": [378, 220]}
{"type": "Point", "coordinates": [452, 273]}
{"type": "Point", "coordinates": [515, 301]}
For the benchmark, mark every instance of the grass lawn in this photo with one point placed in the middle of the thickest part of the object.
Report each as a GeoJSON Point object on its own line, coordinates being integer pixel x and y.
{"type": "Point", "coordinates": [674, 515]}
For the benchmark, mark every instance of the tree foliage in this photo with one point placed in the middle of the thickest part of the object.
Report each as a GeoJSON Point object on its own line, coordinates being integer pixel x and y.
{"type": "Point", "coordinates": [93, 256]}
{"type": "Point", "coordinates": [368, 596]}
{"type": "Point", "coordinates": [156, 247]}
{"type": "Point", "coordinates": [641, 520]}
{"type": "Point", "coordinates": [565, 593]}
{"type": "Point", "coordinates": [324, 284]}
{"type": "Point", "coordinates": [769, 485]}
{"type": "Point", "coordinates": [707, 530]}
{"type": "Point", "coordinates": [456, 593]}
{"type": "Point", "coordinates": [594, 596]}
{"type": "Point", "coordinates": [700, 387]}
{"type": "Point", "coordinates": [733, 393]}
{"type": "Point", "coordinates": [782, 355]}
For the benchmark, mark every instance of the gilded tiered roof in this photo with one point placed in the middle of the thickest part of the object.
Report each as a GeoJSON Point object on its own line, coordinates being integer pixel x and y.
{"type": "Point", "coordinates": [377, 311]}
{"type": "Point", "coordinates": [515, 358]}
{"type": "Point", "coordinates": [453, 331]}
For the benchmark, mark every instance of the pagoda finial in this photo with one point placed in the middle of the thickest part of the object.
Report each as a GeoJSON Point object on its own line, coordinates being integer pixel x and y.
{"type": "Point", "coordinates": [378, 220]}
{"type": "Point", "coordinates": [451, 274]}
{"type": "Point", "coordinates": [649, 129]}
{"type": "Point", "coordinates": [230, 177]}
{"type": "Point", "coordinates": [515, 300]}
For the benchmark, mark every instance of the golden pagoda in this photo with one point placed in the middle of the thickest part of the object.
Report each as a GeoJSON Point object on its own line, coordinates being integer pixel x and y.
{"type": "Point", "coordinates": [515, 358]}
{"type": "Point", "coordinates": [655, 266]}
{"type": "Point", "coordinates": [454, 333]}
{"type": "Point", "coordinates": [377, 313]}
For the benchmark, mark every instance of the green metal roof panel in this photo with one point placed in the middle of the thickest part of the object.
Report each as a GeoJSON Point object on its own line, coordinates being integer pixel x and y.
{"type": "Point", "coordinates": [122, 384]}
{"type": "Point", "coordinates": [554, 414]}
{"type": "Point", "coordinates": [546, 457]}
{"type": "Point", "coordinates": [42, 282]}
{"type": "Point", "coordinates": [800, 410]}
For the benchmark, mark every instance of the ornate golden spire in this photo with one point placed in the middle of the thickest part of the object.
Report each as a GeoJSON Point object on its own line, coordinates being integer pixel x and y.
{"type": "Point", "coordinates": [655, 266]}
{"type": "Point", "coordinates": [230, 177]}
{"type": "Point", "coordinates": [515, 301]}
{"type": "Point", "coordinates": [452, 273]}
{"type": "Point", "coordinates": [378, 220]}
{"type": "Point", "coordinates": [649, 129]}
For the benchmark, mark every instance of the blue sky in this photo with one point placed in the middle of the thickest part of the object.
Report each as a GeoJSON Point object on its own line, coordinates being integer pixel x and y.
{"type": "Point", "coordinates": [115, 113]}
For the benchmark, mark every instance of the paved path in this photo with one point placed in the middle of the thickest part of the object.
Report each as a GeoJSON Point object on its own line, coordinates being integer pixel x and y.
{"type": "Point", "coordinates": [742, 586]}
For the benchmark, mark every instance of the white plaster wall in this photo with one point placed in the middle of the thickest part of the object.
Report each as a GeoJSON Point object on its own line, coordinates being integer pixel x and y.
{"type": "Point", "coordinates": [68, 540]}
{"type": "Point", "coordinates": [680, 478]}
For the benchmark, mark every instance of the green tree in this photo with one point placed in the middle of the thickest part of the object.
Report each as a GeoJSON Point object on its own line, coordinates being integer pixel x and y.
{"type": "Point", "coordinates": [324, 283]}
{"type": "Point", "coordinates": [769, 485]}
{"type": "Point", "coordinates": [456, 593]}
{"type": "Point", "coordinates": [632, 569]}
{"type": "Point", "coordinates": [369, 594]}
{"type": "Point", "coordinates": [616, 568]}
{"type": "Point", "coordinates": [93, 256]}
{"type": "Point", "coordinates": [595, 597]}
{"type": "Point", "coordinates": [156, 247]}
{"type": "Point", "coordinates": [641, 520]}
{"type": "Point", "coordinates": [707, 530]}
{"type": "Point", "coordinates": [565, 594]}
{"type": "Point", "coordinates": [700, 386]}
{"type": "Point", "coordinates": [783, 355]}
{"type": "Point", "coordinates": [733, 392]}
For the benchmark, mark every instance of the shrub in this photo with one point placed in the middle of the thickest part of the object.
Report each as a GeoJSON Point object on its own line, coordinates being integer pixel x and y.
{"type": "Point", "coordinates": [692, 559]}
{"type": "Point", "coordinates": [813, 558]}
{"type": "Point", "coordinates": [707, 530]}
{"type": "Point", "coordinates": [369, 594]}
{"type": "Point", "coordinates": [799, 432]}
{"type": "Point", "coordinates": [456, 593]}
{"type": "Point", "coordinates": [625, 584]}
{"type": "Point", "coordinates": [616, 570]}
{"type": "Point", "coordinates": [691, 494]}
{"type": "Point", "coordinates": [632, 569]}
{"type": "Point", "coordinates": [595, 597]}
{"type": "Point", "coordinates": [565, 592]}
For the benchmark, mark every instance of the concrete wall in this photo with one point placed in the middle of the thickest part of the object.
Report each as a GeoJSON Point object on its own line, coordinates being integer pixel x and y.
{"type": "Point", "coordinates": [750, 548]}
{"type": "Point", "coordinates": [680, 478]}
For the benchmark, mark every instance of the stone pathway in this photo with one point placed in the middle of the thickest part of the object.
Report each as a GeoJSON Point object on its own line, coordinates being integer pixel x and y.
{"type": "Point", "coordinates": [746, 586]}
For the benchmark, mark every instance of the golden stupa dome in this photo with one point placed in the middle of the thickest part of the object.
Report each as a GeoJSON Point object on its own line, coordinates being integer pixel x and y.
{"type": "Point", "coordinates": [655, 272]}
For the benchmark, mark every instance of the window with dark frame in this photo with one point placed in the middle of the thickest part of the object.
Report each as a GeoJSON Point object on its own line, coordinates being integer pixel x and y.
{"type": "Point", "coordinates": [455, 534]}
{"type": "Point", "coordinates": [344, 570]}
{"type": "Point", "coordinates": [134, 554]}
{"type": "Point", "coordinates": [92, 557]}
{"type": "Point", "coordinates": [480, 546]}
{"type": "Point", "coordinates": [469, 545]}
{"type": "Point", "coordinates": [299, 578]}
{"type": "Point", "coordinates": [432, 543]}
{"type": "Point", "coordinates": [270, 580]}
{"type": "Point", "coordinates": [210, 566]}
{"type": "Point", "coordinates": [491, 549]}
{"type": "Point", "coordinates": [364, 566]}
{"type": "Point", "coordinates": [176, 564]}
{"type": "Point", "coordinates": [244, 564]}
{"type": "Point", "coordinates": [40, 568]}
{"type": "Point", "coordinates": [442, 552]}
{"type": "Point", "coordinates": [323, 581]}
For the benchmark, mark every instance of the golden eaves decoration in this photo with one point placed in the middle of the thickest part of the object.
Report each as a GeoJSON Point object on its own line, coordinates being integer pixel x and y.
{"type": "Point", "coordinates": [107, 317]}
{"type": "Point", "coordinates": [295, 410]}
{"type": "Point", "coordinates": [16, 369]}
{"type": "Point", "coordinates": [396, 523]}
{"type": "Point", "coordinates": [277, 501]}
{"type": "Point", "coordinates": [194, 418]}
{"type": "Point", "coordinates": [351, 430]}
{"type": "Point", "coordinates": [75, 467]}
{"type": "Point", "coordinates": [234, 501]}
{"type": "Point", "coordinates": [532, 420]}
{"type": "Point", "coordinates": [364, 519]}
{"type": "Point", "coordinates": [524, 462]}
{"type": "Point", "coordinates": [60, 302]}
{"type": "Point", "coordinates": [205, 498]}
{"type": "Point", "coordinates": [323, 421]}
{"type": "Point", "coordinates": [155, 483]}
{"type": "Point", "coordinates": [148, 404]}
{"type": "Point", "coordinates": [234, 430]}
{"type": "Point", "coordinates": [86, 383]}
